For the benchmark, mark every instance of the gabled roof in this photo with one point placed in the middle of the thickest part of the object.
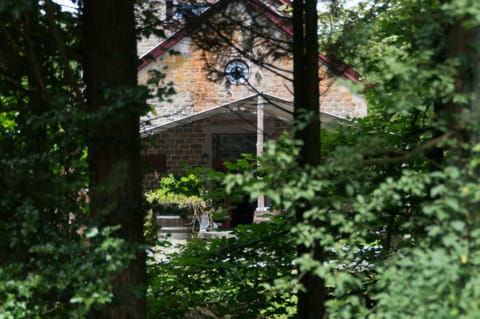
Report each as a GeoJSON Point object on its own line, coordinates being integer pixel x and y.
{"type": "Point", "coordinates": [274, 106]}
{"type": "Point", "coordinates": [283, 23]}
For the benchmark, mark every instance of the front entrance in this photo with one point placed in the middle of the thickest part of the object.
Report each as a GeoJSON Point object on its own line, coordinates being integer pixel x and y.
{"type": "Point", "coordinates": [230, 147]}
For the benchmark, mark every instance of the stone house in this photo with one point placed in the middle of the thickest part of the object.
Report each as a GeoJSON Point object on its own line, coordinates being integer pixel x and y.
{"type": "Point", "coordinates": [233, 90]}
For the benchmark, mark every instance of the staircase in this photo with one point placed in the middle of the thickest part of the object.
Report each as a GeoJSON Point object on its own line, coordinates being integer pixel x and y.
{"type": "Point", "coordinates": [174, 226]}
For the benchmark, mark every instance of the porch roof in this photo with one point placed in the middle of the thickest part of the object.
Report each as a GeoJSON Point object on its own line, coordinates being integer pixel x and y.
{"type": "Point", "coordinates": [273, 106]}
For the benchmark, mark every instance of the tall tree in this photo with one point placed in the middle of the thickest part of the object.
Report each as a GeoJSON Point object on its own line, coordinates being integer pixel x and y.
{"type": "Point", "coordinates": [113, 140]}
{"type": "Point", "coordinates": [311, 300]}
{"type": "Point", "coordinates": [421, 57]}
{"type": "Point", "coordinates": [54, 260]}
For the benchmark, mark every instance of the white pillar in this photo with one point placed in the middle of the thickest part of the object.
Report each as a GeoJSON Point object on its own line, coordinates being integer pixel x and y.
{"type": "Point", "coordinates": [260, 136]}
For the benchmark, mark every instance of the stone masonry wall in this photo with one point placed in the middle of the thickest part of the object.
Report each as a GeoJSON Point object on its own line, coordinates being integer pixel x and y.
{"type": "Point", "coordinates": [182, 146]}
{"type": "Point", "coordinates": [198, 79]}
{"type": "Point", "coordinates": [195, 92]}
{"type": "Point", "coordinates": [186, 145]}
{"type": "Point", "coordinates": [187, 69]}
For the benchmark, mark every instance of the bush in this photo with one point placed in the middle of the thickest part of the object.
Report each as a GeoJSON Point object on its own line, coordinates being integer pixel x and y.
{"type": "Point", "coordinates": [178, 196]}
{"type": "Point", "coordinates": [233, 277]}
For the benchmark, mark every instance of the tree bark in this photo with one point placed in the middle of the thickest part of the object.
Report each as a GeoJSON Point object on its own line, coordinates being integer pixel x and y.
{"type": "Point", "coordinates": [459, 44]}
{"type": "Point", "coordinates": [311, 301]}
{"type": "Point", "coordinates": [114, 141]}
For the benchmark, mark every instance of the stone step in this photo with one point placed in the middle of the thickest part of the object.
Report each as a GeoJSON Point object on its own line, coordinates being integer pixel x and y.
{"type": "Point", "coordinates": [172, 221]}
{"type": "Point", "coordinates": [173, 226]}
{"type": "Point", "coordinates": [176, 229]}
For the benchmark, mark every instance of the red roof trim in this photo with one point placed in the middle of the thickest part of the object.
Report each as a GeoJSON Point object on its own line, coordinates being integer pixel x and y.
{"type": "Point", "coordinates": [285, 25]}
{"type": "Point", "coordinates": [281, 22]}
{"type": "Point", "coordinates": [344, 70]}
{"type": "Point", "coordinates": [161, 48]}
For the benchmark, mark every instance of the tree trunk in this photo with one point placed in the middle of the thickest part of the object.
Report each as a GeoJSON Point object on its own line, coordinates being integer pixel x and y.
{"type": "Point", "coordinates": [114, 141]}
{"type": "Point", "coordinates": [311, 302]}
{"type": "Point", "coordinates": [459, 43]}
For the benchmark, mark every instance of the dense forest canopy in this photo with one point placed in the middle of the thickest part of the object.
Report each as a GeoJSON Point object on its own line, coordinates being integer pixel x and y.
{"type": "Point", "coordinates": [383, 225]}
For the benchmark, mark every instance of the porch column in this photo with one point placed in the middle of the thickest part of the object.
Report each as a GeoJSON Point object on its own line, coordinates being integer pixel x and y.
{"type": "Point", "coordinates": [260, 132]}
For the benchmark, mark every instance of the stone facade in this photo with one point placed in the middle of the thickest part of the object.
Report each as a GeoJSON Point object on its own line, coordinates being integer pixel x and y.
{"type": "Point", "coordinates": [190, 145]}
{"type": "Point", "coordinates": [198, 79]}
{"type": "Point", "coordinates": [181, 146]}
{"type": "Point", "coordinates": [195, 92]}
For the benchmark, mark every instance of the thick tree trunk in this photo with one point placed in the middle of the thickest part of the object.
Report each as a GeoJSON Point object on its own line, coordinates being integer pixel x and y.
{"type": "Point", "coordinates": [459, 43]}
{"type": "Point", "coordinates": [311, 302]}
{"type": "Point", "coordinates": [306, 81]}
{"type": "Point", "coordinates": [114, 142]}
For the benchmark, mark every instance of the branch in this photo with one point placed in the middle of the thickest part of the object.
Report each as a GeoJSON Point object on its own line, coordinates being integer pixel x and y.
{"type": "Point", "coordinates": [228, 42]}
{"type": "Point", "coordinates": [16, 83]}
{"type": "Point", "coordinates": [33, 59]}
{"type": "Point", "coordinates": [60, 44]}
{"type": "Point", "coordinates": [401, 158]}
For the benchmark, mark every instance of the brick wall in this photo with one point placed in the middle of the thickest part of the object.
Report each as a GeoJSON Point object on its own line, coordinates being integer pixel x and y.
{"type": "Point", "coordinates": [181, 146]}
{"type": "Point", "coordinates": [188, 144]}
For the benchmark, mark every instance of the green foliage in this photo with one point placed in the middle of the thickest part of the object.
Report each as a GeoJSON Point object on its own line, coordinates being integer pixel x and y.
{"type": "Point", "coordinates": [7, 120]}
{"type": "Point", "coordinates": [234, 276]}
{"type": "Point", "coordinates": [181, 195]}
{"type": "Point", "coordinates": [398, 237]}
{"type": "Point", "coordinates": [436, 277]}
{"type": "Point", "coordinates": [188, 185]}
{"type": "Point", "coordinates": [55, 261]}
{"type": "Point", "coordinates": [62, 278]}
{"type": "Point", "coordinates": [390, 202]}
{"type": "Point", "coordinates": [393, 202]}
